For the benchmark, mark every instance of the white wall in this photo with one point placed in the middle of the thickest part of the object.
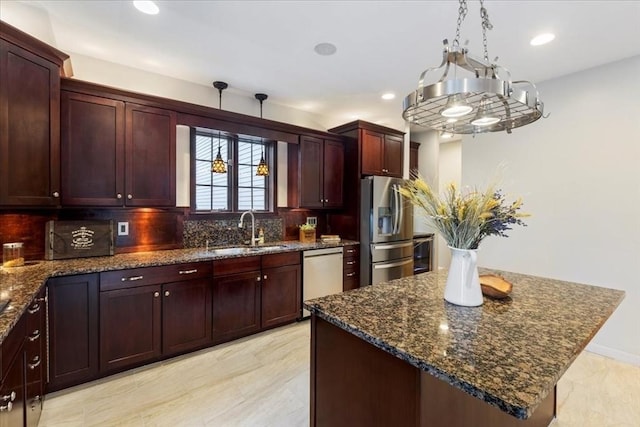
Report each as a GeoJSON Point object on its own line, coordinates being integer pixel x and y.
{"type": "Point", "coordinates": [449, 170]}
{"type": "Point", "coordinates": [579, 174]}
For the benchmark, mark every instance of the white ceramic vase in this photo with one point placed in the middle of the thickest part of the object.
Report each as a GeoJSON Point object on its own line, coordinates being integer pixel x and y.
{"type": "Point", "coordinates": [463, 281]}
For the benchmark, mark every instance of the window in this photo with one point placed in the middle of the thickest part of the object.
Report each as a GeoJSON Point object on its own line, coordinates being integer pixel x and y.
{"type": "Point", "coordinates": [239, 189]}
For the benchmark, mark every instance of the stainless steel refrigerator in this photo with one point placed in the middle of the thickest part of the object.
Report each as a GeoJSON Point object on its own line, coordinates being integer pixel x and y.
{"type": "Point", "coordinates": [386, 231]}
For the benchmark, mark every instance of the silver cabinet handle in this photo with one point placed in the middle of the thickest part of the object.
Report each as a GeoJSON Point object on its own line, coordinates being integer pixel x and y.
{"type": "Point", "coordinates": [265, 277]}
{"type": "Point", "coordinates": [350, 262]}
{"type": "Point", "coordinates": [351, 274]}
{"type": "Point", "coordinates": [392, 246]}
{"type": "Point", "coordinates": [9, 397]}
{"type": "Point", "coordinates": [56, 194]}
{"type": "Point", "coordinates": [129, 196]}
{"type": "Point", "coordinates": [8, 407]}
{"type": "Point", "coordinates": [195, 270]}
{"type": "Point", "coordinates": [34, 308]}
{"type": "Point", "coordinates": [34, 336]}
{"type": "Point", "coordinates": [258, 278]}
{"type": "Point", "coordinates": [167, 293]}
{"type": "Point", "coordinates": [156, 294]}
{"type": "Point", "coordinates": [132, 278]}
{"type": "Point", "coordinates": [36, 362]}
{"type": "Point", "coordinates": [118, 196]}
{"type": "Point", "coordinates": [391, 265]}
{"type": "Point", "coordinates": [350, 251]}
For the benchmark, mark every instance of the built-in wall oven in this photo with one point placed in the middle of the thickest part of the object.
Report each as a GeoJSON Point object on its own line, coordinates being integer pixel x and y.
{"type": "Point", "coordinates": [422, 253]}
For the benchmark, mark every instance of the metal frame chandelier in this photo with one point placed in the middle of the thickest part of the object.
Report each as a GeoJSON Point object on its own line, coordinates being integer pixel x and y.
{"type": "Point", "coordinates": [486, 101]}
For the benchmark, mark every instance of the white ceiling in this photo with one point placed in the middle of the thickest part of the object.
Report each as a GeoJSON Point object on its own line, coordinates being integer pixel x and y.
{"type": "Point", "coordinates": [383, 46]}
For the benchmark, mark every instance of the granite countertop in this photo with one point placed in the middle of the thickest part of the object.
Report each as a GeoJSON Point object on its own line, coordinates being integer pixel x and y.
{"type": "Point", "coordinates": [21, 284]}
{"type": "Point", "coordinates": [509, 353]}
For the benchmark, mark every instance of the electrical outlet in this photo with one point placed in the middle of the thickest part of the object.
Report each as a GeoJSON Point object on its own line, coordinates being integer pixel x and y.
{"type": "Point", "coordinates": [312, 220]}
{"type": "Point", "coordinates": [123, 228]}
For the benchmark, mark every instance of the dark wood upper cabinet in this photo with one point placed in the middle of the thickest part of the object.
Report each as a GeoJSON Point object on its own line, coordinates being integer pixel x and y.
{"type": "Point", "coordinates": [92, 150]}
{"type": "Point", "coordinates": [316, 173]}
{"type": "Point", "coordinates": [116, 153]}
{"type": "Point", "coordinates": [29, 125]}
{"type": "Point", "coordinates": [150, 156]}
{"type": "Point", "coordinates": [380, 150]}
{"type": "Point", "coordinates": [413, 156]}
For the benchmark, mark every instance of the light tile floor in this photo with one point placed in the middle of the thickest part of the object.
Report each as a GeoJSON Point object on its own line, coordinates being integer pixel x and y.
{"type": "Point", "coordinates": [263, 380]}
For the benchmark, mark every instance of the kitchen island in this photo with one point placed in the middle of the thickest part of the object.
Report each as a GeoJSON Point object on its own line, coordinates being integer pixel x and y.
{"type": "Point", "coordinates": [397, 354]}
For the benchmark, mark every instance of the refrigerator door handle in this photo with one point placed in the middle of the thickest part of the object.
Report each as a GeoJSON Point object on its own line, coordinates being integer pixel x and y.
{"type": "Point", "coordinates": [391, 265]}
{"type": "Point", "coordinates": [392, 246]}
{"type": "Point", "coordinates": [400, 210]}
{"type": "Point", "coordinates": [396, 210]}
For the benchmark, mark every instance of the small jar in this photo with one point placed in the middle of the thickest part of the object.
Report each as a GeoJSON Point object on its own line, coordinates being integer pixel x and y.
{"type": "Point", "coordinates": [12, 255]}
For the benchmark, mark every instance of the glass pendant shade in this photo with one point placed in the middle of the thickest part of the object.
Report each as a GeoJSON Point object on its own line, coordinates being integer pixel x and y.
{"type": "Point", "coordinates": [456, 107]}
{"type": "Point", "coordinates": [263, 168]}
{"type": "Point", "coordinates": [484, 116]}
{"type": "Point", "coordinates": [218, 165]}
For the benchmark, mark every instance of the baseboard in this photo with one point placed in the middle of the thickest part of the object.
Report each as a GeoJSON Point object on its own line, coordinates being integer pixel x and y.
{"type": "Point", "coordinates": [621, 356]}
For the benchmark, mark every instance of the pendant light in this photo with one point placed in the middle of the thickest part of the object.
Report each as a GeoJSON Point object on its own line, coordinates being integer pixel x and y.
{"type": "Point", "coordinates": [448, 105]}
{"type": "Point", "coordinates": [219, 165]}
{"type": "Point", "coordinates": [263, 168]}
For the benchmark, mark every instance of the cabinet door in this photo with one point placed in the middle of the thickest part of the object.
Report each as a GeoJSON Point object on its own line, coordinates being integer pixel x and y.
{"type": "Point", "coordinates": [393, 155]}
{"type": "Point", "coordinates": [281, 294]}
{"type": "Point", "coordinates": [29, 128]}
{"type": "Point", "coordinates": [12, 394]}
{"type": "Point", "coordinates": [236, 305]}
{"type": "Point", "coordinates": [92, 150]}
{"type": "Point", "coordinates": [129, 327]}
{"type": "Point", "coordinates": [333, 174]}
{"type": "Point", "coordinates": [311, 173]}
{"type": "Point", "coordinates": [73, 330]}
{"type": "Point", "coordinates": [150, 177]}
{"type": "Point", "coordinates": [186, 316]}
{"type": "Point", "coordinates": [35, 358]}
{"type": "Point", "coordinates": [372, 152]}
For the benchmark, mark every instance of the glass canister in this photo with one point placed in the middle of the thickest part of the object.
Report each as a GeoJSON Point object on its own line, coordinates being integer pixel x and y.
{"type": "Point", "coordinates": [12, 255]}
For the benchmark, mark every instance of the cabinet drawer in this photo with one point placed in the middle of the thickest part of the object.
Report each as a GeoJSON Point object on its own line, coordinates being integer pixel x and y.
{"type": "Point", "coordinates": [281, 259]}
{"type": "Point", "coordinates": [12, 344]}
{"type": "Point", "coordinates": [236, 265]}
{"type": "Point", "coordinates": [349, 283]}
{"type": "Point", "coordinates": [351, 251]}
{"type": "Point", "coordinates": [135, 277]}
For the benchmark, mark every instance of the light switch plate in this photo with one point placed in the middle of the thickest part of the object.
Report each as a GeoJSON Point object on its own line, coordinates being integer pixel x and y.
{"type": "Point", "coordinates": [312, 220]}
{"type": "Point", "coordinates": [123, 228]}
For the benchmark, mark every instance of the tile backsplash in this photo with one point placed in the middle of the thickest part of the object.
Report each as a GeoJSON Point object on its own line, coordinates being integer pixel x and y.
{"type": "Point", "coordinates": [226, 232]}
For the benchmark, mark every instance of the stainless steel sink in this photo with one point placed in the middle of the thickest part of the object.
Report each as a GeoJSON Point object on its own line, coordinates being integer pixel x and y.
{"type": "Point", "coordinates": [246, 249]}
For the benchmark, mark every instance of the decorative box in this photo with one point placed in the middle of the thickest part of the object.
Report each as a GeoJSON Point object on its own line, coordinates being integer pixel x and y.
{"type": "Point", "coordinates": [78, 239]}
{"type": "Point", "coordinates": [307, 236]}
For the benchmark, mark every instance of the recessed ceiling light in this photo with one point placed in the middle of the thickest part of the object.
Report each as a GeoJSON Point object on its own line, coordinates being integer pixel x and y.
{"type": "Point", "coordinates": [146, 6]}
{"type": "Point", "coordinates": [388, 96]}
{"type": "Point", "coordinates": [325, 49]}
{"type": "Point", "coordinates": [541, 39]}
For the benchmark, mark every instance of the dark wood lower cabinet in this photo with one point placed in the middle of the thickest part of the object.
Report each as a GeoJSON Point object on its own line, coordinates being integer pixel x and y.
{"type": "Point", "coordinates": [236, 305]}
{"type": "Point", "coordinates": [129, 327]}
{"type": "Point", "coordinates": [280, 295]}
{"type": "Point", "coordinates": [12, 394]}
{"type": "Point", "coordinates": [186, 316]}
{"type": "Point", "coordinates": [35, 359]}
{"type": "Point", "coordinates": [73, 330]}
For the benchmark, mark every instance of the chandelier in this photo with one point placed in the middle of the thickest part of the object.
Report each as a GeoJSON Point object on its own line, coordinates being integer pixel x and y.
{"type": "Point", "coordinates": [218, 165]}
{"type": "Point", "coordinates": [485, 101]}
{"type": "Point", "coordinates": [263, 168]}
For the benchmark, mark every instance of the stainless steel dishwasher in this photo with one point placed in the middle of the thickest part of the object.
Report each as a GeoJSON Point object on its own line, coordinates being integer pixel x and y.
{"type": "Point", "coordinates": [321, 273]}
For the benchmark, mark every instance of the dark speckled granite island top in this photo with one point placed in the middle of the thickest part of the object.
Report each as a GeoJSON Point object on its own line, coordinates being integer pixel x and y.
{"type": "Point", "coordinates": [20, 284]}
{"type": "Point", "coordinates": [509, 353]}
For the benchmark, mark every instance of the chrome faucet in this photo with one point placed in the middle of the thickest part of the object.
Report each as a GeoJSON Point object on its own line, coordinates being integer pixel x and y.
{"type": "Point", "coordinates": [253, 226]}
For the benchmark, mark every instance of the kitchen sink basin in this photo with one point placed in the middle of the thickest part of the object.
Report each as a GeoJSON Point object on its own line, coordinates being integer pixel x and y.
{"type": "Point", "coordinates": [247, 249]}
